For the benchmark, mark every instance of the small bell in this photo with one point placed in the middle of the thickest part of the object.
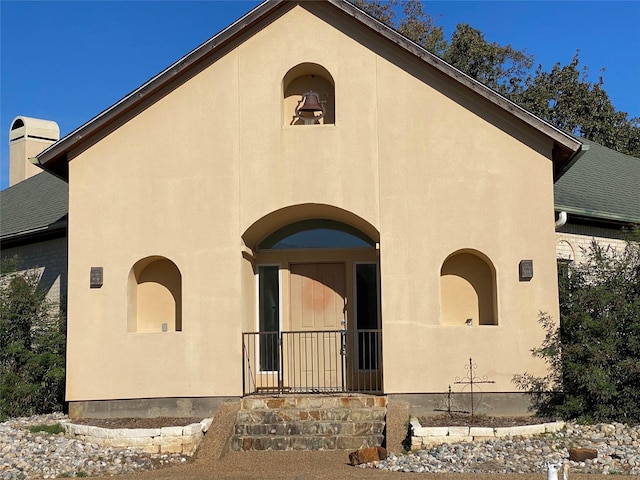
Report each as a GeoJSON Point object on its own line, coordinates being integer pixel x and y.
{"type": "Point", "coordinates": [310, 108]}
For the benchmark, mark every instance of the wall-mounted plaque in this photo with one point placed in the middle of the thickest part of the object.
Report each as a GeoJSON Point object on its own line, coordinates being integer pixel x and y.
{"type": "Point", "coordinates": [526, 270]}
{"type": "Point", "coordinates": [95, 279]}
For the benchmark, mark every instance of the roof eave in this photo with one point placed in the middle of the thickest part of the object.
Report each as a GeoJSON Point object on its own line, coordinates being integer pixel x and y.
{"type": "Point", "coordinates": [55, 158]}
{"type": "Point", "coordinates": [598, 215]}
{"type": "Point", "coordinates": [565, 160]}
{"type": "Point", "coordinates": [27, 236]}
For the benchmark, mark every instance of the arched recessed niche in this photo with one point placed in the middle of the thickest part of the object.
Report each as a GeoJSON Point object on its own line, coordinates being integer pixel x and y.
{"type": "Point", "coordinates": [468, 290]}
{"type": "Point", "coordinates": [154, 296]}
{"type": "Point", "coordinates": [304, 78]}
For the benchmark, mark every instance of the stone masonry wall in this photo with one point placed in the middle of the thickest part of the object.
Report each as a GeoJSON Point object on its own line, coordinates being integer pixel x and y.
{"type": "Point", "coordinates": [49, 259]}
{"type": "Point", "coordinates": [184, 440]}
{"type": "Point", "coordinates": [573, 240]}
{"type": "Point", "coordinates": [427, 437]}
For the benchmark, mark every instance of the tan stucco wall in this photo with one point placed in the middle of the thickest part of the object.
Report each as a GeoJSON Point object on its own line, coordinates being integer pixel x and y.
{"type": "Point", "coordinates": [190, 174]}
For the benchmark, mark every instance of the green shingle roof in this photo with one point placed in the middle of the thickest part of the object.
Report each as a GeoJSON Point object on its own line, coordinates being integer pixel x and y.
{"type": "Point", "coordinates": [36, 205]}
{"type": "Point", "coordinates": [602, 184]}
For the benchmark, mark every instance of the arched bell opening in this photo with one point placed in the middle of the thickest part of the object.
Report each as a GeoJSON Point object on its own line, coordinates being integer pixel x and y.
{"type": "Point", "coordinates": [308, 96]}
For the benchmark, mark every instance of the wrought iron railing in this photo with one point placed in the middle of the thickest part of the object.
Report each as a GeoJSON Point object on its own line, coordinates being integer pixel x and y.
{"type": "Point", "coordinates": [316, 361]}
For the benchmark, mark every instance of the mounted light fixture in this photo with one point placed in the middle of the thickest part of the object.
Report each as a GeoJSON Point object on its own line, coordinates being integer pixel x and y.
{"type": "Point", "coordinates": [310, 108]}
{"type": "Point", "coordinates": [525, 269]}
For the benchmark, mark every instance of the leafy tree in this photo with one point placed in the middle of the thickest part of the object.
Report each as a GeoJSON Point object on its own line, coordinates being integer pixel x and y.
{"type": "Point", "coordinates": [421, 28]}
{"type": "Point", "coordinates": [32, 346]}
{"type": "Point", "coordinates": [594, 354]}
{"type": "Point", "coordinates": [379, 9]}
{"type": "Point", "coordinates": [566, 98]}
{"type": "Point", "coordinates": [415, 24]}
{"type": "Point", "coordinates": [499, 67]}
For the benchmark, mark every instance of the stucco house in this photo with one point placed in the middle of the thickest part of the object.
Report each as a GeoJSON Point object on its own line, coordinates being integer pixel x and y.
{"type": "Point", "coordinates": [307, 202]}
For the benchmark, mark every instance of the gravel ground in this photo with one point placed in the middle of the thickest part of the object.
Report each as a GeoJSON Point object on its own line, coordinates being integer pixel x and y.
{"type": "Point", "coordinates": [618, 448]}
{"type": "Point", "coordinates": [25, 455]}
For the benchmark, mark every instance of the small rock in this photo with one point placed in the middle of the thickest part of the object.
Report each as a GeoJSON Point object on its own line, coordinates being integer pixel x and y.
{"type": "Point", "coordinates": [367, 455]}
{"type": "Point", "coordinates": [582, 454]}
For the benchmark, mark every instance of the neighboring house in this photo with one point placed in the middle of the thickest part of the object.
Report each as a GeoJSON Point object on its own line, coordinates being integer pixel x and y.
{"type": "Point", "coordinates": [33, 210]}
{"type": "Point", "coordinates": [369, 216]}
{"type": "Point", "coordinates": [600, 200]}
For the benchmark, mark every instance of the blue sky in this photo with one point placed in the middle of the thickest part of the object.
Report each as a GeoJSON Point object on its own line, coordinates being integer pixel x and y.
{"type": "Point", "coordinates": [68, 61]}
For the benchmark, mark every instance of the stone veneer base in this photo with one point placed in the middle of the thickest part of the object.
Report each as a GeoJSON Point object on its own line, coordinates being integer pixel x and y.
{"type": "Point", "coordinates": [425, 437]}
{"type": "Point", "coordinates": [184, 440]}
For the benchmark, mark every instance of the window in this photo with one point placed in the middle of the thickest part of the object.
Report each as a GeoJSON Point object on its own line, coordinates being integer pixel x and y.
{"type": "Point", "coordinates": [269, 317]}
{"type": "Point", "coordinates": [155, 296]}
{"type": "Point", "coordinates": [317, 233]}
{"type": "Point", "coordinates": [563, 267]}
{"type": "Point", "coordinates": [367, 316]}
{"type": "Point", "coordinates": [467, 288]}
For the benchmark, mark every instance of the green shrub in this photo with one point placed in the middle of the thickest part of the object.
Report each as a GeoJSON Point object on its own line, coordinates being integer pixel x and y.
{"type": "Point", "coordinates": [594, 354]}
{"type": "Point", "coordinates": [32, 346]}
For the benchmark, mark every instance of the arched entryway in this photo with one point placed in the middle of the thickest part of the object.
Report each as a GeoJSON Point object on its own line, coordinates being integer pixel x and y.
{"type": "Point", "coordinates": [317, 326]}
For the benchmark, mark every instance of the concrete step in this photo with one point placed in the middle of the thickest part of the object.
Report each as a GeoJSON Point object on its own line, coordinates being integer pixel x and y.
{"type": "Point", "coordinates": [287, 415]}
{"type": "Point", "coordinates": [310, 428]}
{"type": "Point", "coordinates": [304, 442]}
{"type": "Point", "coordinates": [312, 402]}
{"type": "Point", "coordinates": [309, 422]}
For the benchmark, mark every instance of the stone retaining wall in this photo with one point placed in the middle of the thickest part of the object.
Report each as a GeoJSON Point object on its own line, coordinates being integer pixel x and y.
{"type": "Point", "coordinates": [184, 440]}
{"type": "Point", "coordinates": [425, 437]}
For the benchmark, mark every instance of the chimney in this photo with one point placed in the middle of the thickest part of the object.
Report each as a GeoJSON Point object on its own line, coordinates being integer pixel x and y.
{"type": "Point", "coordinates": [27, 138]}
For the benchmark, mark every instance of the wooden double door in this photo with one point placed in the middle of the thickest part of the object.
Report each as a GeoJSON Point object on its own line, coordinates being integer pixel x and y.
{"type": "Point", "coordinates": [319, 328]}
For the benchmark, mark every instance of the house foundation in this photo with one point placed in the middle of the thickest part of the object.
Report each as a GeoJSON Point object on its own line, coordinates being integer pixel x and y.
{"type": "Point", "coordinates": [201, 407]}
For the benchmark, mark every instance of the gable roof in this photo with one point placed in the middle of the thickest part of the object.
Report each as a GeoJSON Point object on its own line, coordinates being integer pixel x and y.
{"type": "Point", "coordinates": [55, 158]}
{"type": "Point", "coordinates": [32, 208]}
{"type": "Point", "coordinates": [602, 184]}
